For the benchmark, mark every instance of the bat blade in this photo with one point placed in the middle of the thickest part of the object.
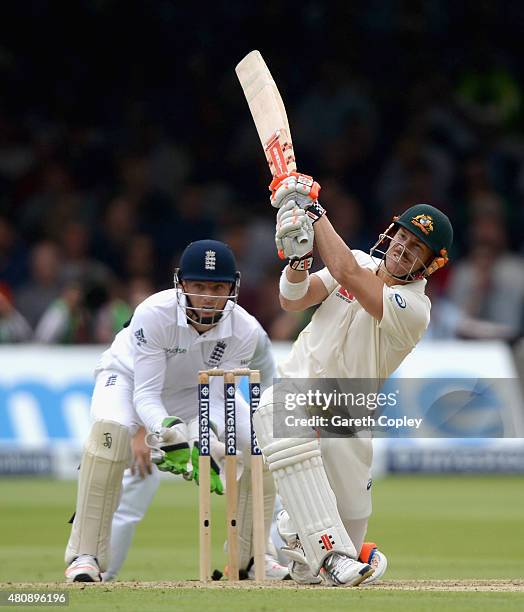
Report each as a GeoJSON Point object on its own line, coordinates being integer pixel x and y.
{"type": "Point", "coordinates": [268, 112]}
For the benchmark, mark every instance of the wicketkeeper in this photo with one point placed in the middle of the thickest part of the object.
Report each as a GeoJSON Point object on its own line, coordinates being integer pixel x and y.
{"type": "Point", "coordinates": [149, 377]}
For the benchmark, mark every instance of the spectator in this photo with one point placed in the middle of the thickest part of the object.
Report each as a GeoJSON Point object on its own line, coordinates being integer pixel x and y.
{"type": "Point", "coordinates": [77, 264]}
{"type": "Point", "coordinates": [117, 226]}
{"type": "Point", "coordinates": [489, 283]}
{"type": "Point", "coordinates": [118, 310]}
{"type": "Point", "coordinates": [43, 286]}
{"type": "Point", "coordinates": [449, 321]}
{"type": "Point", "coordinates": [140, 259]}
{"type": "Point", "coordinates": [44, 214]}
{"type": "Point", "coordinates": [13, 255]}
{"type": "Point", "coordinates": [65, 321]}
{"type": "Point", "coordinates": [13, 326]}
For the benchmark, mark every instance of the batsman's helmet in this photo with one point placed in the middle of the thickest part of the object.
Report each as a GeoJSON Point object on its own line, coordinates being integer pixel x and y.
{"type": "Point", "coordinates": [430, 225]}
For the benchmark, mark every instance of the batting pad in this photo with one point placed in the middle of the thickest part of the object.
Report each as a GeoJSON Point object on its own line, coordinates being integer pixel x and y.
{"type": "Point", "coordinates": [245, 513]}
{"type": "Point", "coordinates": [301, 480]}
{"type": "Point", "coordinates": [107, 453]}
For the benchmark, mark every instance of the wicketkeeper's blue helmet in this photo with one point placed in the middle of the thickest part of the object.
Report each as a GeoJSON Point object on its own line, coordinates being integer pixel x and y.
{"type": "Point", "coordinates": [208, 260]}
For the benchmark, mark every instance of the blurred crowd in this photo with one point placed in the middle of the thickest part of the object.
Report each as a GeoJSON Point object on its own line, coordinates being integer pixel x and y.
{"type": "Point", "coordinates": [111, 165]}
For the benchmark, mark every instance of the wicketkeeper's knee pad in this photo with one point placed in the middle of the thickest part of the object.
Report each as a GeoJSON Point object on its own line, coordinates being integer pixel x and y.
{"type": "Point", "coordinates": [107, 453]}
{"type": "Point", "coordinates": [301, 480]}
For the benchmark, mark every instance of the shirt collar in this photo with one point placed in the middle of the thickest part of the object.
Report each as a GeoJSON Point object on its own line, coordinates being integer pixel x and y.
{"type": "Point", "coordinates": [419, 285]}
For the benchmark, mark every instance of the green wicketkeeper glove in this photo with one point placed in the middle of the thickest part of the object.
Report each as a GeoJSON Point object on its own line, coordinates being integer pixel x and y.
{"type": "Point", "coordinates": [172, 446]}
{"type": "Point", "coordinates": [218, 453]}
{"type": "Point", "coordinates": [216, 482]}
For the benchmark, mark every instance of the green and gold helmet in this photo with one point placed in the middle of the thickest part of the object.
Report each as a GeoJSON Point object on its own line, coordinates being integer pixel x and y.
{"type": "Point", "coordinates": [428, 224]}
{"type": "Point", "coordinates": [433, 228]}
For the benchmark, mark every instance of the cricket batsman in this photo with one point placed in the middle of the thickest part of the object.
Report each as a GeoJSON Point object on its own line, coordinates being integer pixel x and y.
{"type": "Point", "coordinates": [149, 377]}
{"type": "Point", "coordinates": [373, 311]}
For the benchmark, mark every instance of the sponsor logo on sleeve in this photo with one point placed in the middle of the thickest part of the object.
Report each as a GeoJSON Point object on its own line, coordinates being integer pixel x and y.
{"type": "Point", "coordinates": [345, 295]}
{"type": "Point", "coordinates": [111, 381]}
{"type": "Point", "coordinates": [140, 338]}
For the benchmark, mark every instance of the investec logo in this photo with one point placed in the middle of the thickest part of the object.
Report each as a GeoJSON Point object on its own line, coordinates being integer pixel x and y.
{"type": "Point", "coordinates": [254, 394]}
{"type": "Point", "coordinates": [231, 434]}
{"type": "Point", "coordinates": [204, 420]}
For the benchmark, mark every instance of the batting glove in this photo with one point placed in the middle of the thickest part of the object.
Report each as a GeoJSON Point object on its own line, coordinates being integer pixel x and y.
{"type": "Point", "coordinates": [300, 188]}
{"type": "Point", "coordinates": [294, 233]}
{"type": "Point", "coordinates": [170, 446]}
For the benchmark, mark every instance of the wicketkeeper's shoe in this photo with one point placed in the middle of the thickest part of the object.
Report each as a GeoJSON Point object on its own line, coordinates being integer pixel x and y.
{"type": "Point", "coordinates": [83, 569]}
{"type": "Point", "coordinates": [274, 571]}
{"type": "Point", "coordinates": [341, 570]}
{"type": "Point", "coordinates": [374, 557]}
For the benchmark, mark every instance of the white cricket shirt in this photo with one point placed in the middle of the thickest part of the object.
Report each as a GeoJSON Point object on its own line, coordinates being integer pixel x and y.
{"type": "Point", "coordinates": [162, 353]}
{"type": "Point", "coordinates": [344, 341]}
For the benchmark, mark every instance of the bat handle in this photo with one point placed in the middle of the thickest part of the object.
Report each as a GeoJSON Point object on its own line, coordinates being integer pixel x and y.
{"type": "Point", "coordinates": [303, 237]}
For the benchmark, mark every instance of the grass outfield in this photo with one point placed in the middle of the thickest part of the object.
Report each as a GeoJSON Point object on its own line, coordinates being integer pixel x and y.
{"type": "Point", "coordinates": [433, 528]}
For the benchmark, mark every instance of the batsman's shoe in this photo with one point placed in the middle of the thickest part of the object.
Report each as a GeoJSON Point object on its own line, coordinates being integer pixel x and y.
{"type": "Point", "coordinates": [341, 570]}
{"type": "Point", "coordinates": [374, 557]}
{"type": "Point", "coordinates": [83, 569]}
{"type": "Point", "coordinates": [274, 571]}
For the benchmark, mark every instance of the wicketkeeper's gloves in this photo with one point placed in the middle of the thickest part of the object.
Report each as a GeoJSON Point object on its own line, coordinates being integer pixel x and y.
{"type": "Point", "coordinates": [170, 449]}
{"type": "Point", "coordinates": [218, 453]}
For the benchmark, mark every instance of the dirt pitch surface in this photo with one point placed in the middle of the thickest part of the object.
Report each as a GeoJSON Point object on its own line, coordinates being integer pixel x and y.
{"type": "Point", "coordinates": [499, 586]}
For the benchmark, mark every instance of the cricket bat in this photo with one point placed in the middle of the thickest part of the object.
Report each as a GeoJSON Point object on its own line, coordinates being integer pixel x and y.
{"type": "Point", "coordinates": [269, 113]}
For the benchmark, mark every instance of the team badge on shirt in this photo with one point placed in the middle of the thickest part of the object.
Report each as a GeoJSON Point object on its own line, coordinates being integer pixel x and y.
{"type": "Point", "coordinates": [345, 295]}
{"type": "Point", "coordinates": [216, 354]}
